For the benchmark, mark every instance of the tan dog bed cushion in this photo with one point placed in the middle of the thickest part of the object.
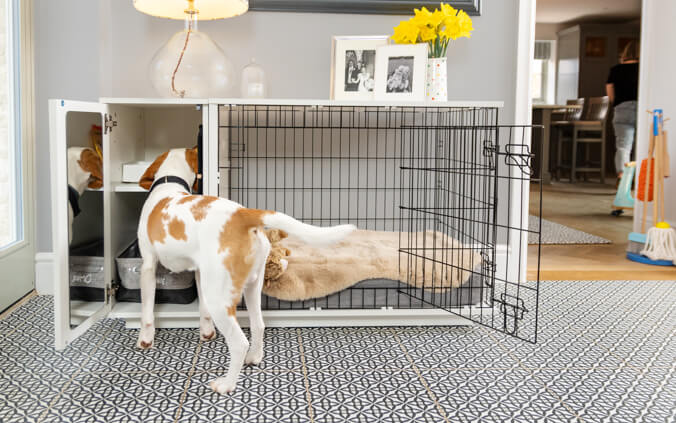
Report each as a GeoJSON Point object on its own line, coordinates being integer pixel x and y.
{"type": "Point", "coordinates": [315, 272]}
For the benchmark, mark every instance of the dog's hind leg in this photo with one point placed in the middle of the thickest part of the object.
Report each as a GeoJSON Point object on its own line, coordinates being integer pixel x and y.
{"type": "Point", "coordinates": [207, 330]}
{"type": "Point", "coordinates": [148, 283]}
{"type": "Point", "coordinates": [221, 304]}
{"type": "Point", "coordinates": [252, 296]}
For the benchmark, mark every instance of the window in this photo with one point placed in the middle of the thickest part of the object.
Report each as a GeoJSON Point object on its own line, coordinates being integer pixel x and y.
{"type": "Point", "coordinates": [11, 199]}
{"type": "Point", "coordinates": [543, 74]}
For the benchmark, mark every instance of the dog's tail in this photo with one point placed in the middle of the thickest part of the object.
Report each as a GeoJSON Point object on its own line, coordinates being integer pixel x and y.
{"type": "Point", "coordinates": [313, 235]}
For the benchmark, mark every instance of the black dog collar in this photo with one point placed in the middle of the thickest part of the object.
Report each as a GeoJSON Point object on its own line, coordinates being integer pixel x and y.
{"type": "Point", "coordinates": [74, 200]}
{"type": "Point", "coordinates": [170, 179]}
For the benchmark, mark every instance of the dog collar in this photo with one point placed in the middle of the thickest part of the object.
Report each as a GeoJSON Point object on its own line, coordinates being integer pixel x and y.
{"type": "Point", "coordinates": [74, 200]}
{"type": "Point", "coordinates": [170, 179]}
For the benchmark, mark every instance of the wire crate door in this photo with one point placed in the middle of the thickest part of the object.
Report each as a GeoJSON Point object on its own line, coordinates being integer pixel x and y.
{"type": "Point", "coordinates": [464, 236]}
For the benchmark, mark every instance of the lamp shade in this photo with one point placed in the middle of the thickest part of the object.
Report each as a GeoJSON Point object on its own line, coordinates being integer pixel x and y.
{"type": "Point", "coordinates": [207, 9]}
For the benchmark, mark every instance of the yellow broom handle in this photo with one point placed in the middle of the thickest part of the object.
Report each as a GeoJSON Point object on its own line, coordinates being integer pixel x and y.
{"type": "Point", "coordinates": [656, 178]}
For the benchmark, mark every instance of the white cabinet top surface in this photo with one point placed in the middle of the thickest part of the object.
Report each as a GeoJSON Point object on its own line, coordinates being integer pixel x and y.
{"type": "Point", "coordinates": [291, 102]}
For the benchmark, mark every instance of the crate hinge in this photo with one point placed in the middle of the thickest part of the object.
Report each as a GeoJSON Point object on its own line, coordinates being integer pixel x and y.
{"type": "Point", "coordinates": [489, 152]}
{"type": "Point", "coordinates": [109, 123]}
{"type": "Point", "coordinates": [112, 291]}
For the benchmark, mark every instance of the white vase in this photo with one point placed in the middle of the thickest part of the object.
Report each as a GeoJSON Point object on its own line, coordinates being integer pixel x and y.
{"type": "Point", "coordinates": [437, 86]}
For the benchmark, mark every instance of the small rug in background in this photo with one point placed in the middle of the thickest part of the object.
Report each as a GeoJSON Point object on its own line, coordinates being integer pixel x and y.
{"type": "Point", "coordinates": [555, 233]}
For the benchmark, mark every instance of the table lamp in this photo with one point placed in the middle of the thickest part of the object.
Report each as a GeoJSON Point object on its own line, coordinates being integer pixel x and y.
{"type": "Point", "coordinates": [190, 63]}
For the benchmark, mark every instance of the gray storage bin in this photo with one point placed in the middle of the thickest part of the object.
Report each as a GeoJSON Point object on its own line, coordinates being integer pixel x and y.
{"type": "Point", "coordinates": [177, 288]}
{"type": "Point", "coordinates": [85, 272]}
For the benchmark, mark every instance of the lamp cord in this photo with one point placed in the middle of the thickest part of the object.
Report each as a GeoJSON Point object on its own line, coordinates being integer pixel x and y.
{"type": "Point", "coordinates": [181, 93]}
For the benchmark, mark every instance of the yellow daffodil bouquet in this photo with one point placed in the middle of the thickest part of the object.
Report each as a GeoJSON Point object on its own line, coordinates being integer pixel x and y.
{"type": "Point", "coordinates": [436, 28]}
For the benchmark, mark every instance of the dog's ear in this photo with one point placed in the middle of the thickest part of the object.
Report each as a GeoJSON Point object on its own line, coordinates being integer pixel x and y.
{"type": "Point", "coordinates": [148, 177]}
{"type": "Point", "coordinates": [91, 162]}
{"type": "Point", "coordinates": [191, 156]}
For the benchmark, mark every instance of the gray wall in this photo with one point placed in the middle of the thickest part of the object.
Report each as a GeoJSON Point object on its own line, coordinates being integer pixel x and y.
{"type": "Point", "coordinates": [66, 66]}
{"type": "Point", "coordinates": [87, 49]}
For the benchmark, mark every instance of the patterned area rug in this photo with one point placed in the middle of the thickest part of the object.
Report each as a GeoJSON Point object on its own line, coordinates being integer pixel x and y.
{"type": "Point", "coordinates": [605, 352]}
{"type": "Point", "coordinates": [555, 233]}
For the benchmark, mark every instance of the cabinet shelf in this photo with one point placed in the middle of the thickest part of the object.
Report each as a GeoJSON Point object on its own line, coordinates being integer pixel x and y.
{"type": "Point", "coordinates": [128, 187]}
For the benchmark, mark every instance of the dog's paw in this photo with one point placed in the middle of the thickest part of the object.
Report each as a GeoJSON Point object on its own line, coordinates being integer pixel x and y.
{"type": "Point", "coordinates": [254, 356]}
{"type": "Point", "coordinates": [145, 337]}
{"type": "Point", "coordinates": [207, 330]}
{"type": "Point", "coordinates": [207, 337]}
{"type": "Point", "coordinates": [222, 385]}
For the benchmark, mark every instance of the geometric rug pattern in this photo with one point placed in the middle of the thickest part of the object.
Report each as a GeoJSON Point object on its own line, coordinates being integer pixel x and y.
{"type": "Point", "coordinates": [606, 352]}
{"type": "Point", "coordinates": [555, 233]}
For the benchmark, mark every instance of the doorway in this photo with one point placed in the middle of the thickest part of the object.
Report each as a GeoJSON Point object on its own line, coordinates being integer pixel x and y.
{"type": "Point", "coordinates": [577, 43]}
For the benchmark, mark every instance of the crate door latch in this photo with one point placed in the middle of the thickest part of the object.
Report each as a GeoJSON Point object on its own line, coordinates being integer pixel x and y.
{"type": "Point", "coordinates": [512, 309]}
{"type": "Point", "coordinates": [519, 155]}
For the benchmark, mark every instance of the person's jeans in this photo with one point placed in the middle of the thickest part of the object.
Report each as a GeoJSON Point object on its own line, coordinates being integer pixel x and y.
{"type": "Point", "coordinates": [624, 122]}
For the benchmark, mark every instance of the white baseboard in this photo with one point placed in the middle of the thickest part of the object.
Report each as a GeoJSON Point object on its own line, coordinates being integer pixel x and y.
{"type": "Point", "coordinates": [44, 273]}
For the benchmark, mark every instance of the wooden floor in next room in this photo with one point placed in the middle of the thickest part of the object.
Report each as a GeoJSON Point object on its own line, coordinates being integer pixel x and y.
{"type": "Point", "coordinates": [586, 207]}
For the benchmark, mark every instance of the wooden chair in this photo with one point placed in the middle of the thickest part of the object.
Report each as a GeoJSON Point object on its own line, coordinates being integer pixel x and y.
{"type": "Point", "coordinates": [562, 118]}
{"type": "Point", "coordinates": [590, 130]}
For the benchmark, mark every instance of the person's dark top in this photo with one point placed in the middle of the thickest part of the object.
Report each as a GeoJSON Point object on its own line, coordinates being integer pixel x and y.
{"type": "Point", "coordinates": [624, 78]}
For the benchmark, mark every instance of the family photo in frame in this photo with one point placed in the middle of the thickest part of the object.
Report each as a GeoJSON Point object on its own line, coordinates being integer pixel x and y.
{"type": "Point", "coordinates": [368, 68]}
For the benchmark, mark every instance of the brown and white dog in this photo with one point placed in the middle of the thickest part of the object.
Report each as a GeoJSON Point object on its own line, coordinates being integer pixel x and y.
{"type": "Point", "coordinates": [223, 243]}
{"type": "Point", "coordinates": [84, 170]}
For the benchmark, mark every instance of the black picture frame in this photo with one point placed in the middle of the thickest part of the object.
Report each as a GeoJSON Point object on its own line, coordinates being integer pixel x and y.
{"type": "Point", "coordinates": [381, 7]}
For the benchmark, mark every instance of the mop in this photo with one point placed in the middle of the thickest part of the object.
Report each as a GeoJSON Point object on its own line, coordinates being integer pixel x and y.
{"type": "Point", "coordinates": [660, 243]}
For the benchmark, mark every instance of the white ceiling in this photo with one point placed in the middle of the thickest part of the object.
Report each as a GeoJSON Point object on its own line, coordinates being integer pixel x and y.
{"type": "Point", "coordinates": [560, 11]}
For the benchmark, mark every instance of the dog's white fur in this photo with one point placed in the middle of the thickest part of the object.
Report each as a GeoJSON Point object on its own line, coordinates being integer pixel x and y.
{"type": "Point", "coordinates": [78, 177]}
{"type": "Point", "coordinates": [197, 244]}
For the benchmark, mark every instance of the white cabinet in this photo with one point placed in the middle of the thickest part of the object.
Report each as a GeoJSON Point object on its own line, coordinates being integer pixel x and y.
{"type": "Point", "coordinates": [132, 130]}
{"type": "Point", "coordinates": [255, 152]}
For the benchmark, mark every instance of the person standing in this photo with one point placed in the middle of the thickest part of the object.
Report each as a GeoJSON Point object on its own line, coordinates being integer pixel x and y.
{"type": "Point", "coordinates": [622, 91]}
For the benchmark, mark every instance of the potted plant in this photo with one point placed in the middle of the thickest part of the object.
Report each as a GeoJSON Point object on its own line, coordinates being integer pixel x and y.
{"type": "Point", "coordinates": [436, 29]}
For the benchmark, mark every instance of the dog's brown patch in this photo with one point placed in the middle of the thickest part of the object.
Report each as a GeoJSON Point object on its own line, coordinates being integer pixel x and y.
{"type": "Point", "coordinates": [200, 208]}
{"type": "Point", "coordinates": [148, 176]}
{"type": "Point", "coordinates": [193, 161]}
{"type": "Point", "coordinates": [237, 237]}
{"type": "Point", "coordinates": [156, 231]}
{"type": "Point", "coordinates": [91, 162]}
{"type": "Point", "coordinates": [177, 229]}
{"type": "Point", "coordinates": [232, 310]}
{"type": "Point", "coordinates": [187, 198]}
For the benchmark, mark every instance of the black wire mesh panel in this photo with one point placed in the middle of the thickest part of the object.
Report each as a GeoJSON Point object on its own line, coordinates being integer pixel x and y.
{"type": "Point", "coordinates": [416, 171]}
{"type": "Point", "coordinates": [467, 198]}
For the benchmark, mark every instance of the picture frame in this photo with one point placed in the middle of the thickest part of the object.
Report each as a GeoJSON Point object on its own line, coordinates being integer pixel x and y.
{"type": "Point", "coordinates": [595, 47]}
{"type": "Point", "coordinates": [401, 71]}
{"type": "Point", "coordinates": [380, 7]}
{"type": "Point", "coordinates": [353, 61]}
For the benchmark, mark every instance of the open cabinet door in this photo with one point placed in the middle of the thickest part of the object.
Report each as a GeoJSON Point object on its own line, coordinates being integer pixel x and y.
{"type": "Point", "coordinates": [465, 212]}
{"type": "Point", "coordinates": [80, 221]}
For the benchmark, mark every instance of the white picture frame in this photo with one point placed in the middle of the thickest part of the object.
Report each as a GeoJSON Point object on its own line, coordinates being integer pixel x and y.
{"type": "Point", "coordinates": [401, 71]}
{"type": "Point", "coordinates": [356, 50]}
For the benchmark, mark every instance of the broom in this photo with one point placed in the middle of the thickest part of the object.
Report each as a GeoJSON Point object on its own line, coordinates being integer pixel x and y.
{"type": "Point", "coordinates": [644, 193]}
{"type": "Point", "coordinates": [660, 243]}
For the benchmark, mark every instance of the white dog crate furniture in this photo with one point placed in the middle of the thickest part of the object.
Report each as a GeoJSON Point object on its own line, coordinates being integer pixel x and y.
{"type": "Point", "coordinates": [428, 172]}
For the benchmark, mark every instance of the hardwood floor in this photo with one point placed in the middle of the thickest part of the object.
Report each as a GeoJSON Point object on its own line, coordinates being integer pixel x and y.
{"type": "Point", "coordinates": [587, 207]}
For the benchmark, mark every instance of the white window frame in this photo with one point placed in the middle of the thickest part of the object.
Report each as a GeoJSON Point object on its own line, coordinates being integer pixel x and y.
{"type": "Point", "coordinates": [17, 219]}
{"type": "Point", "coordinates": [548, 83]}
